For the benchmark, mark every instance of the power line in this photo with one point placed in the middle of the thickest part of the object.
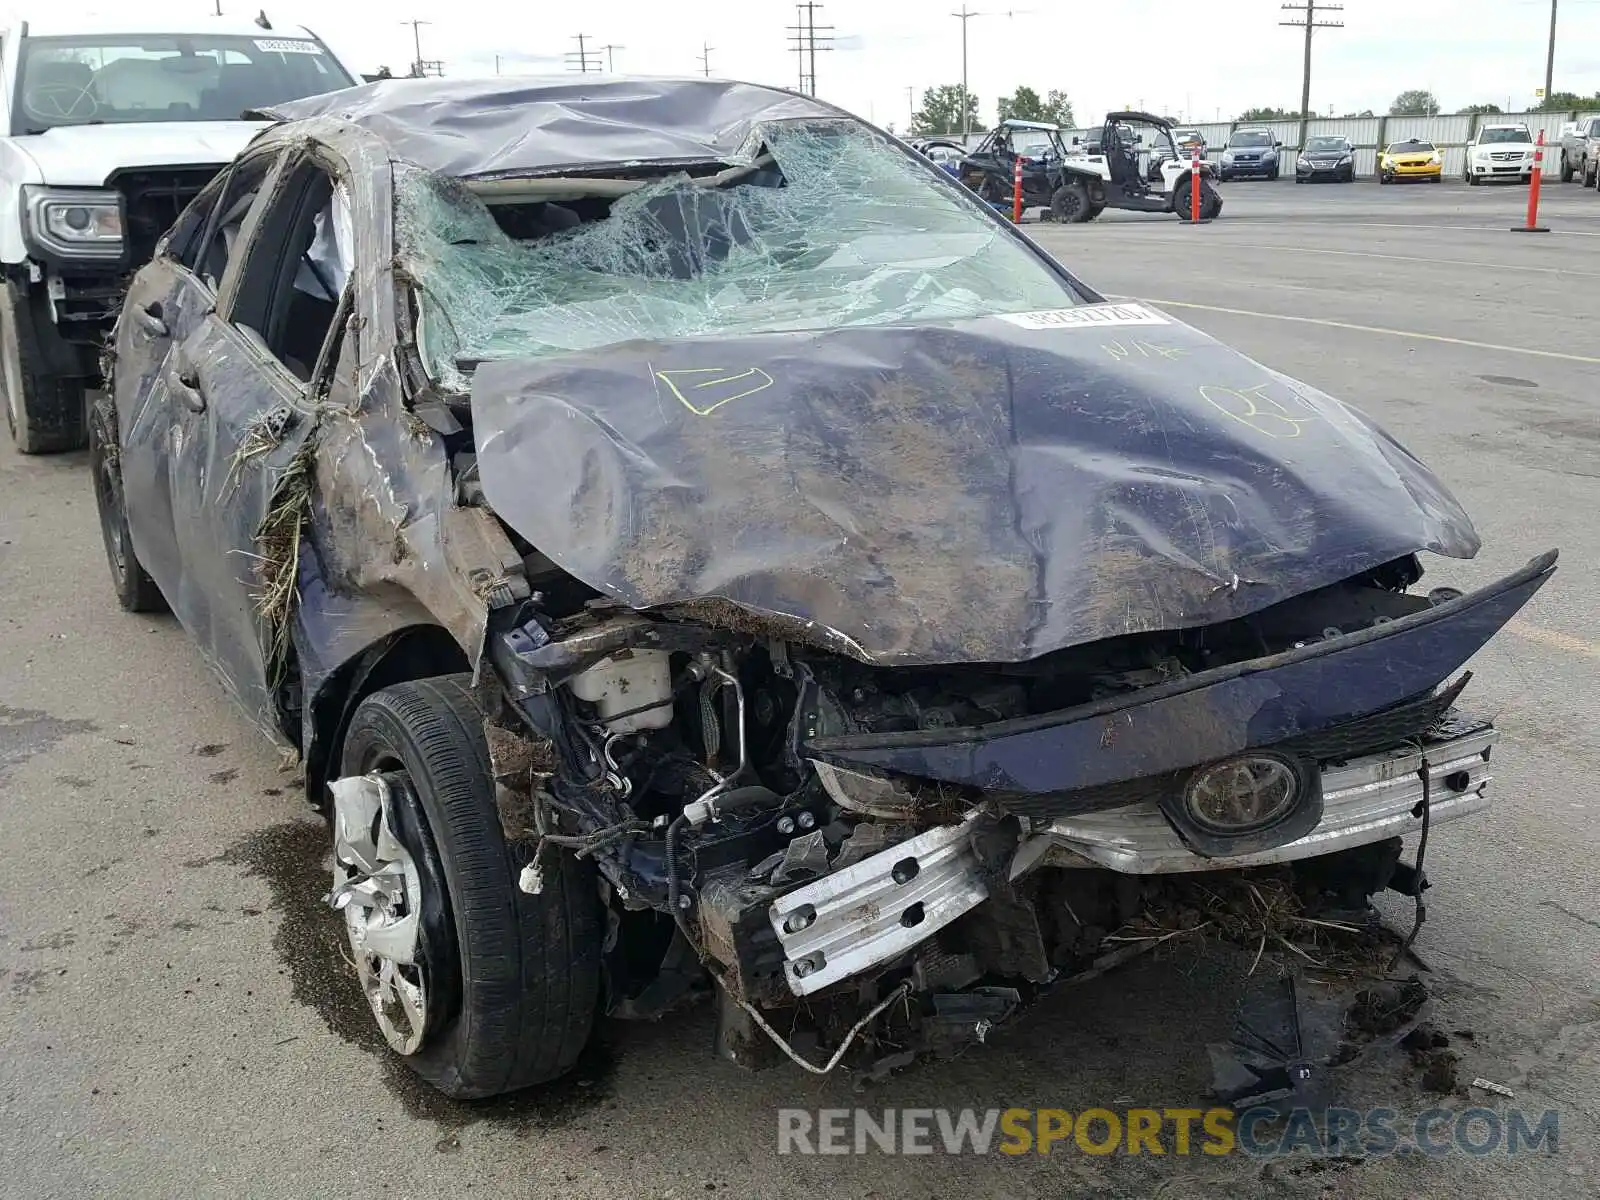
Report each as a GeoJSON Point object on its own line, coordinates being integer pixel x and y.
{"type": "Point", "coordinates": [806, 38]}
{"type": "Point", "coordinates": [705, 58]}
{"type": "Point", "coordinates": [1310, 23]}
{"type": "Point", "coordinates": [579, 60]}
{"type": "Point", "coordinates": [611, 64]}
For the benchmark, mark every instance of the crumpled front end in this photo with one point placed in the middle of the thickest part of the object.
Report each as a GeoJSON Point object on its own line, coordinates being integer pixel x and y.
{"type": "Point", "coordinates": [831, 837]}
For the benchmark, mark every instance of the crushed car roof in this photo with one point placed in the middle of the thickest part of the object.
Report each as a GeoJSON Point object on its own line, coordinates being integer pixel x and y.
{"type": "Point", "coordinates": [477, 127]}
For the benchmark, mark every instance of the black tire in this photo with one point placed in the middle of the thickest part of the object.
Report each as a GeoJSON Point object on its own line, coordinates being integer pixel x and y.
{"type": "Point", "coordinates": [520, 974]}
{"type": "Point", "coordinates": [1273, 176]}
{"type": "Point", "coordinates": [1070, 203]}
{"type": "Point", "coordinates": [1567, 169]}
{"type": "Point", "coordinates": [1473, 180]}
{"type": "Point", "coordinates": [1383, 179]}
{"type": "Point", "coordinates": [1095, 210]}
{"type": "Point", "coordinates": [136, 591]}
{"type": "Point", "coordinates": [1210, 201]}
{"type": "Point", "coordinates": [46, 412]}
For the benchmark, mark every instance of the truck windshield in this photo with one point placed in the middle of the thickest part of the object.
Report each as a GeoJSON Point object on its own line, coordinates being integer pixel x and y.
{"type": "Point", "coordinates": [114, 78]}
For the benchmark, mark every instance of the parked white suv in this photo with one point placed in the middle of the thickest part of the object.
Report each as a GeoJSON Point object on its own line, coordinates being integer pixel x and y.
{"type": "Point", "coordinates": [108, 127]}
{"type": "Point", "coordinates": [1499, 152]}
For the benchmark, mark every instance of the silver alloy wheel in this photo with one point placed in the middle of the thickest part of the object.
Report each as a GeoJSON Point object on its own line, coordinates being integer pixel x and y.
{"type": "Point", "coordinates": [377, 886]}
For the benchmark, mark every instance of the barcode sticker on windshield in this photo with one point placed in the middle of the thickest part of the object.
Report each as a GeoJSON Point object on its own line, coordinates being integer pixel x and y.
{"type": "Point", "coordinates": [287, 46]}
{"type": "Point", "coordinates": [1094, 316]}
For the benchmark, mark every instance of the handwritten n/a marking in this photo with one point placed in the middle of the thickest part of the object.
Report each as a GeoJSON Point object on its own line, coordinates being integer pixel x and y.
{"type": "Point", "coordinates": [727, 385]}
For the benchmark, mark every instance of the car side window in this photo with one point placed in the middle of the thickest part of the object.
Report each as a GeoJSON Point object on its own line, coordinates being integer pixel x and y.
{"type": "Point", "coordinates": [220, 243]}
{"type": "Point", "coordinates": [294, 279]}
{"type": "Point", "coordinates": [187, 235]}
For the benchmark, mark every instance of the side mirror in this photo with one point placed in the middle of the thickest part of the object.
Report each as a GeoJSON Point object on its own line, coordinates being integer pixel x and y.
{"type": "Point", "coordinates": [1076, 141]}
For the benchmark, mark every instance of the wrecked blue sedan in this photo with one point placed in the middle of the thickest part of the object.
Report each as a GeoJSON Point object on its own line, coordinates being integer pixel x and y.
{"type": "Point", "coordinates": [696, 548]}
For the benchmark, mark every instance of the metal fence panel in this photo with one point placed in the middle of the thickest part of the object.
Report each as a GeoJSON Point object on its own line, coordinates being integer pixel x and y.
{"type": "Point", "coordinates": [1362, 131]}
{"type": "Point", "coordinates": [1441, 130]}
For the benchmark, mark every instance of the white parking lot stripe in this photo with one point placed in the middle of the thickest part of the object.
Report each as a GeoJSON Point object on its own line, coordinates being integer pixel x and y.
{"type": "Point", "coordinates": [1403, 333]}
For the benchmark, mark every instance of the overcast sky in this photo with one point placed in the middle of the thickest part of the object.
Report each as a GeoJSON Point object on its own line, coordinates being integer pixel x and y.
{"type": "Point", "coordinates": [1179, 56]}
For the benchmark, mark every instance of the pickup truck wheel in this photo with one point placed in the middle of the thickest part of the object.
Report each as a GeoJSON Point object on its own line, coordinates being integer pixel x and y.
{"type": "Point", "coordinates": [1567, 169]}
{"type": "Point", "coordinates": [46, 412]}
{"type": "Point", "coordinates": [136, 591]}
{"type": "Point", "coordinates": [1070, 203]}
{"type": "Point", "coordinates": [497, 989]}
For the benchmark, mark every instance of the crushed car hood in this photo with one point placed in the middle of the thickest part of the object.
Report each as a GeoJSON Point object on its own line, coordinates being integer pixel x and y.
{"type": "Point", "coordinates": [84, 155]}
{"type": "Point", "coordinates": [986, 490]}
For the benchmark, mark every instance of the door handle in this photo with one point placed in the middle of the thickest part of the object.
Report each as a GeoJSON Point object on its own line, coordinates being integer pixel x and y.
{"type": "Point", "coordinates": [186, 383]}
{"type": "Point", "coordinates": [150, 320]}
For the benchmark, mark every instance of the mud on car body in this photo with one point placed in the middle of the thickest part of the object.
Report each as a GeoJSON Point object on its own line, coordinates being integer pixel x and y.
{"type": "Point", "coordinates": [677, 584]}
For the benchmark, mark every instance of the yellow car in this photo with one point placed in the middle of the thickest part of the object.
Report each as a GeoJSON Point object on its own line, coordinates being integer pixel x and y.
{"type": "Point", "coordinates": [1411, 159]}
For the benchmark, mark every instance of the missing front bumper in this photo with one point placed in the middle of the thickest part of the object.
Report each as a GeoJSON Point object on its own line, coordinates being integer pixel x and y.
{"type": "Point", "coordinates": [875, 911]}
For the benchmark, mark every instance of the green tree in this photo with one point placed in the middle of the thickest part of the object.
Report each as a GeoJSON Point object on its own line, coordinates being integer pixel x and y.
{"type": "Point", "coordinates": [941, 111]}
{"type": "Point", "coordinates": [1268, 114]}
{"type": "Point", "coordinates": [1023, 104]}
{"type": "Point", "coordinates": [1414, 102]}
{"type": "Point", "coordinates": [1568, 102]}
{"type": "Point", "coordinates": [1482, 108]}
{"type": "Point", "coordinates": [1058, 109]}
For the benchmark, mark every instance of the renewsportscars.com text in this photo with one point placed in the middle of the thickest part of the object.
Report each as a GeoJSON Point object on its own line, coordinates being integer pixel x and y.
{"type": "Point", "coordinates": [1258, 1132]}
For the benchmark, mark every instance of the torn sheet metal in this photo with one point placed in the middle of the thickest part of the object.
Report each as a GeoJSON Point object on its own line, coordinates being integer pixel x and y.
{"type": "Point", "coordinates": [969, 491]}
{"type": "Point", "coordinates": [477, 127]}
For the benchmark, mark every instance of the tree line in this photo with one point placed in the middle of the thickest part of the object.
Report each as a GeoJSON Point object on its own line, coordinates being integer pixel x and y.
{"type": "Point", "coordinates": [940, 112]}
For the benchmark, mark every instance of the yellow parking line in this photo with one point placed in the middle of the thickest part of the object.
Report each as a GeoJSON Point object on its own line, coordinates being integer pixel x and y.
{"type": "Point", "coordinates": [1564, 642]}
{"type": "Point", "coordinates": [1403, 333]}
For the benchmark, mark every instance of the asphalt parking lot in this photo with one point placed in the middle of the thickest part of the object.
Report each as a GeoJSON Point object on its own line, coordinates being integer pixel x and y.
{"type": "Point", "coordinates": [177, 1018]}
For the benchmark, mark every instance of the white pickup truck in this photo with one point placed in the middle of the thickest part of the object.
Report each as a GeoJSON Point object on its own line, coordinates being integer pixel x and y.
{"type": "Point", "coordinates": [108, 128]}
{"type": "Point", "coordinates": [1580, 150]}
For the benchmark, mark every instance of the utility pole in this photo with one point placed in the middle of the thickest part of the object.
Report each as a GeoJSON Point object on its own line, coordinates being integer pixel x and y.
{"type": "Point", "coordinates": [806, 38]}
{"type": "Point", "coordinates": [1310, 23]}
{"type": "Point", "coordinates": [219, 10]}
{"type": "Point", "coordinates": [611, 62]}
{"type": "Point", "coordinates": [911, 107]}
{"type": "Point", "coordinates": [497, 64]}
{"type": "Point", "coordinates": [705, 58]}
{"type": "Point", "coordinates": [1550, 56]}
{"type": "Point", "coordinates": [964, 16]}
{"type": "Point", "coordinates": [579, 60]}
{"type": "Point", "coordinates": [420, 66]}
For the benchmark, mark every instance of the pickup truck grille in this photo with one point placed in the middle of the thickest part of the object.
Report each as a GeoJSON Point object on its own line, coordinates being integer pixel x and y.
{"type": "Point", "coordinates": [153, 197]}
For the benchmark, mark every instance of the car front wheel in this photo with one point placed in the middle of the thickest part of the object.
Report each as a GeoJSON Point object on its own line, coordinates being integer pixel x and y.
{"type": "Point", "coordinates": [45, 411]}
{"type": "Point", "coordinates": [481, 987]}
{"type": "Point", "coordinates": [1567, 169]}
{"type": "Point", "coordinates": [136, 591]}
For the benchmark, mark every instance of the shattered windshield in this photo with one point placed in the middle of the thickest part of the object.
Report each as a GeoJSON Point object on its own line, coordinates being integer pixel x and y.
{"type": "Point", "coordinates": [837, 229]}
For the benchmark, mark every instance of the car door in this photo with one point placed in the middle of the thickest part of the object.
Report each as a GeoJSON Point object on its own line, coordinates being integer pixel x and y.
{"type": "Point", "coordinates": [245, 382]}
{"type": "Point", "coordinates": [165, 301]}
